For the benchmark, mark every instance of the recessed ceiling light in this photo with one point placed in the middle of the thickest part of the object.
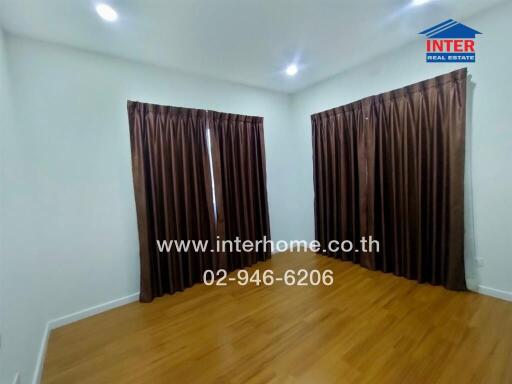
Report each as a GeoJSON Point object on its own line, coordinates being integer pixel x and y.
{"type": "Point", "coordinates": [106, 12]}
{"type": "Point", "coordinates": [292, 70]}
{"type": "Point", "coordinates": [419, 2]}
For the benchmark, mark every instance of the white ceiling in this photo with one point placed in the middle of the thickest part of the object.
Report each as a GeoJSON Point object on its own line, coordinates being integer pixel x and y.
{"type": "Point", "coordinates": [245, 41]}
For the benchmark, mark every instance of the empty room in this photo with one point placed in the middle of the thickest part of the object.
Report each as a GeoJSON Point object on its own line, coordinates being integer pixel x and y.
{"type": "Point", "coordinates": [226, 191]}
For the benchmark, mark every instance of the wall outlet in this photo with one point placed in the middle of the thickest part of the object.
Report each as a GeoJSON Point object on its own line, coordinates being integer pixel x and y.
{"type": "Point", "coordinates": [16, 378]}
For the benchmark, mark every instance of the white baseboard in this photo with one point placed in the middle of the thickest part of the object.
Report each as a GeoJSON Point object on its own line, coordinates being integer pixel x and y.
{"type": "Point", "coordinates": [38, 373]}
{"type": "Point", "coordinates": [71, 318]}
{"type": "Point", "coordinates": [88, 312]}
{"type": "Point", "coordinates": [288, 249]}
{"type": "Point", "coordinates": [275, 251]}
{"type": "Point", "coordinates": [498, 293]}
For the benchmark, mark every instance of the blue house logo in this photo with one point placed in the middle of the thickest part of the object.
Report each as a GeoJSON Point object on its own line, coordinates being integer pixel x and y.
{"type": "Point", "coordinates": [450, 42]}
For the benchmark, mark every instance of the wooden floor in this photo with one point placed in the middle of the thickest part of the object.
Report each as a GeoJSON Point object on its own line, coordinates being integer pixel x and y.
{"type": "Point", "coordinates": [369, 327]}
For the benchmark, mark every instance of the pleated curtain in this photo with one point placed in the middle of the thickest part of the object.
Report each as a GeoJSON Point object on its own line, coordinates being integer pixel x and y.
{"type": "Point", "coordinates": [391, 167]}
{"type": "Point", "coordinates": [238, 152]}
{"type": "Point", "coordinates": [174, 193]}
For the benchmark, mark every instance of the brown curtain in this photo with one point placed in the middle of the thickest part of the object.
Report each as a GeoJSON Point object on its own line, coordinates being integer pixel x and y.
{"type": "Point", "coordinates": [392, 167]}
{"type": "Point", "coordinates": [173, 193]}
{"type": "Point", "coordinates": [238, 153]}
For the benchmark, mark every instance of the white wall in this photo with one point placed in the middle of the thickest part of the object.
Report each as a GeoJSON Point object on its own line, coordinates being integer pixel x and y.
{"type": "Point", "coordinates": [72, 227]}
{"type": "Point", "coordinates": [6, 133]}
{"type": "Point", "coordinates": [489, 137]}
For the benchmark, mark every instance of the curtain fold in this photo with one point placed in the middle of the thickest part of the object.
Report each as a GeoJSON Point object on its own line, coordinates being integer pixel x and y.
{"type": "Point", "coordinates": [238, 153]}
{"type": "Point", "coordinates": [173, 194]}
{"type": "Point", "coordinates": [391, 166]}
